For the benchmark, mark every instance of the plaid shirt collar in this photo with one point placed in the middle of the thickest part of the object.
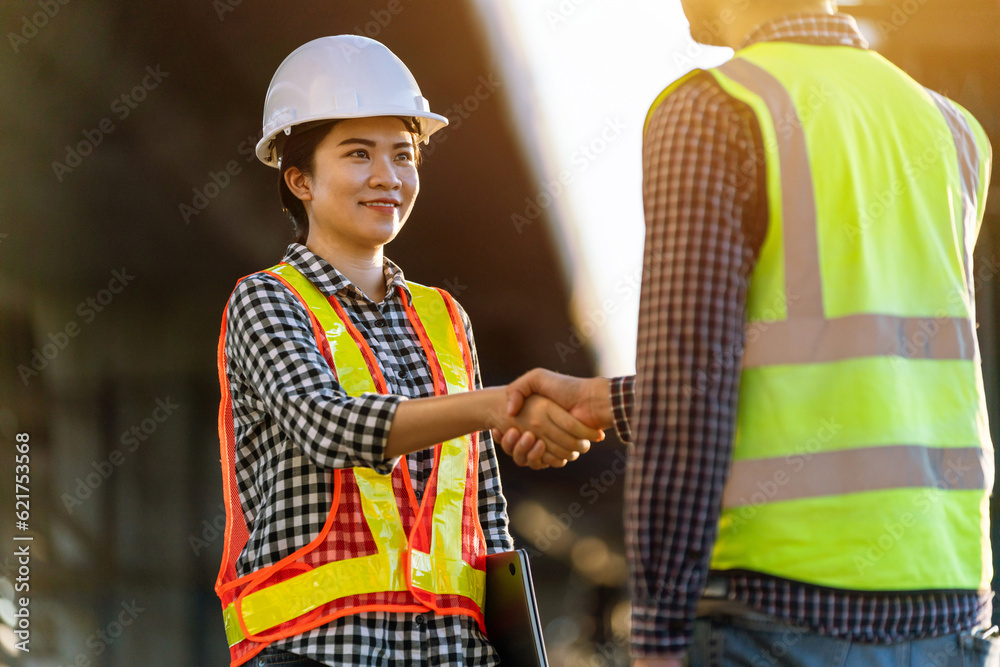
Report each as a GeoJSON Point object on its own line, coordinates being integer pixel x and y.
{"type": "Point", "coordinates": [826, 29]}
{"type": "Point", "coordinates": [330, 281]}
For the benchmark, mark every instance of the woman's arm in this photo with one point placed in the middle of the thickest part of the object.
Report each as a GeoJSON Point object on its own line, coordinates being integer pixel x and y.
{"type": "Point", "coordinates": [276, 367]}
{"type": "Point", "coordinates": [422, 422]}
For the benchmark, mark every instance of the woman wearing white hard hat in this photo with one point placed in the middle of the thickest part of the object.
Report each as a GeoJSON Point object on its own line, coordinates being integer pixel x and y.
{"type": "Point", "coordinates": [361, 501]}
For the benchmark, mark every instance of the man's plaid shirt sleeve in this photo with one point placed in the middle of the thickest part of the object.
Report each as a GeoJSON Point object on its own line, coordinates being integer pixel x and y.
{"type": "Point", "coordinates": [700, 192]}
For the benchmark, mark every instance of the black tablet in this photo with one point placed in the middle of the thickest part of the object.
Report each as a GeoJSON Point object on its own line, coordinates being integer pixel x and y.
{"type": "Point", "coordinates": [512, 623]}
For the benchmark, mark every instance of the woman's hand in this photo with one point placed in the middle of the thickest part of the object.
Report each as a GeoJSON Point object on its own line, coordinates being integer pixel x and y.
{"type": "Point", "coordinates": [553, 436]}
{"type": "Point", "coordinates": [587, 399]}
{"type": "Point", "coordinates": [423, 422]}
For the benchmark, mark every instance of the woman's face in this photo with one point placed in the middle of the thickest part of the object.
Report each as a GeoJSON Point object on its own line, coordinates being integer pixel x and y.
{"type": "Point", "coordinates": [363, 185]}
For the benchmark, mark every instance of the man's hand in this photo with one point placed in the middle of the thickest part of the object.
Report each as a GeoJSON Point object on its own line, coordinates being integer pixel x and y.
{"type": "Point", "coordinates": [587, 399]}
{"type": "Point", "coordinates": [557, 437]}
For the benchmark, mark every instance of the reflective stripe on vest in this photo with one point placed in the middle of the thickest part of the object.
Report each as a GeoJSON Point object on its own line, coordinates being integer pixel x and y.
{"type": "Point", "coordinates": [862, 456]}
{"type": "Point", "coordinates": [442, 571]}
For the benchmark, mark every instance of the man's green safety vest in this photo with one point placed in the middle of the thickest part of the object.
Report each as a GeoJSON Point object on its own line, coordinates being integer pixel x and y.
{"type": "Point", "coordinates": [862, 456]}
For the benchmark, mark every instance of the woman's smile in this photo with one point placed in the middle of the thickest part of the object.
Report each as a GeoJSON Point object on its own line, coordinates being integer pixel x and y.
{"type": "Point", "coordinates": [383, 206]}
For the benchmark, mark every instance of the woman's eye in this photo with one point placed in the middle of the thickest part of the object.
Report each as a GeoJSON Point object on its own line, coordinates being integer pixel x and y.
{"type": "Point", "coordinates": [358, 153]}
{"type": "Point", "coordinates": [404, 157]}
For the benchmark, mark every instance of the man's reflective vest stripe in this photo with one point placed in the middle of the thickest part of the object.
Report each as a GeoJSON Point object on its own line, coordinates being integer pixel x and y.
{"type": "Point", "coordinates": [862, 456]}
{"type": "Point", "coordinates": [439, 566]}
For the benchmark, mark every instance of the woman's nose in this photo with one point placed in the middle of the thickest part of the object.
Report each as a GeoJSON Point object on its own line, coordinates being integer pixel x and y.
{"type": "Point", "coordinates": [384, 174]}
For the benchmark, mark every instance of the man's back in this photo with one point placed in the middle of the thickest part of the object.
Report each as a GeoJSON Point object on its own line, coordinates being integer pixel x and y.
{"type": "Point", "coordinates": [834, 238]}
{"type": "Point", "coordinates": [862, 389]}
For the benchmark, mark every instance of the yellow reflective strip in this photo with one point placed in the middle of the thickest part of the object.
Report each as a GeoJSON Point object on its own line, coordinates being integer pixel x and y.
{"type": "Point", "coordinates": [352, 371]}
{"type": "Point", "coordinates": [433, 314]}
{"type": "Point", "coordinates": [287, 600]}
{"type": "Point", "coordinates": [234, 634]}
{"type": "Point", "coordinates": [378, 502]}
{"type": "Point", "coordinates": [444, 571]}
{"type": "Point", "coordinates": [446, 542]}
{"type": "Point", "coordinates": [449, 576]}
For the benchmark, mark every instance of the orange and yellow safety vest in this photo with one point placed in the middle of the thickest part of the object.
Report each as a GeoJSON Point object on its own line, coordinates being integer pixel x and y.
{"type": "Point", "coordinates": [422, 557]}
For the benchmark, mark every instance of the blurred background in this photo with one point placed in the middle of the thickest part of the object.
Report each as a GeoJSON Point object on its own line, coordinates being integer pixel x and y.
{"type": "Point", "coordinates": [131, 203]}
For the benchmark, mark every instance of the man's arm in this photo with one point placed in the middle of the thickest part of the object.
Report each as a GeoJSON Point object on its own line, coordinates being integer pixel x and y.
{"type": "Point", "coordinates": [704, 223]}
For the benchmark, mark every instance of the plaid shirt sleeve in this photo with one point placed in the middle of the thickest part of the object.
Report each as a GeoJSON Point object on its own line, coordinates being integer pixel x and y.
{"type": "Point", "coordinates": [700, 184]}
{"type": "Point", "coordinates": [622, 401]}
{"type": "Point", "coordinates": [492, 505]}
{"type": "Point", "coordinates": [275, 368]}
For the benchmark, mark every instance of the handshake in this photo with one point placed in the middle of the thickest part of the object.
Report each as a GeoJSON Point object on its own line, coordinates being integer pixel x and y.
{"type": "Point", "coordinates": [551, 418]}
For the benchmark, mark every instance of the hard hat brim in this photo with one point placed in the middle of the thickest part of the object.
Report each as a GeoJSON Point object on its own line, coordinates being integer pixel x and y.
{"type": "Point", "coordinates": [428, 122]}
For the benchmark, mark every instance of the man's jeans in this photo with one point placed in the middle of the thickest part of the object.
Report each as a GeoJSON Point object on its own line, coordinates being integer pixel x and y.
{"type": "Point", "coordinates": [750, 639]}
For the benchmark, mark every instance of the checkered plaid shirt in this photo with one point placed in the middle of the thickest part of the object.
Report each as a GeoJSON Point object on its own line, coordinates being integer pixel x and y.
{"type": "Point", "coordinates": [294, 424]}
{"type": "Point", "coordinates": [706, 217]}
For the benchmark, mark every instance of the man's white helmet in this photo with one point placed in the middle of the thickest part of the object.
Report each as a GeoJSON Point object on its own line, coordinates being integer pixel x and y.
{"type": "Point", "coordinates": [344, 76]}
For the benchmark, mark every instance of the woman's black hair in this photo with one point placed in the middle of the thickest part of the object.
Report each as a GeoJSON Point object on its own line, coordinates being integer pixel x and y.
{"type": "Point", "coordinates": [300, 151]}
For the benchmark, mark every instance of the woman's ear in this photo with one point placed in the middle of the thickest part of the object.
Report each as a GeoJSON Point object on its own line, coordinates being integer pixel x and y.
{"type": "Point", "coordinates": [298, 183]}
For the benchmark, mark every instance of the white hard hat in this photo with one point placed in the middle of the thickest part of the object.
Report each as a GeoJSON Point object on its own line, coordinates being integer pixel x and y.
{"type": "Point", "coordinates": [344, 76]}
